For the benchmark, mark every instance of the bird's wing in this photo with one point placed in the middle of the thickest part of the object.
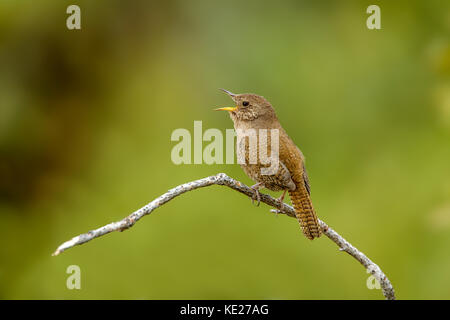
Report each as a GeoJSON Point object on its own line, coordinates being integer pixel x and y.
{"type": "Point", "coordinates": [306, 179]}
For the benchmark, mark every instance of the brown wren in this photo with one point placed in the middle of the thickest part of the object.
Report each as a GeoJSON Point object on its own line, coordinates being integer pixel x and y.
{"type": "Point", "coordinates": [253, 113]}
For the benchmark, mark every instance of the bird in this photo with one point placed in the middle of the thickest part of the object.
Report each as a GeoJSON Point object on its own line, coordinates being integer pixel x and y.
{"type": "Point", "coordinates": [253, 113]}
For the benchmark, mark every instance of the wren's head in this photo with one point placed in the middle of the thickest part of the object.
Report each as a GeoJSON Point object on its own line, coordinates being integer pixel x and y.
{"type": "Point", "coordinates": [249, 107]}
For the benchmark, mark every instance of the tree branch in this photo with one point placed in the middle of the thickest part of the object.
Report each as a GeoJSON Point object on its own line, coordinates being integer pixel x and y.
{"type": "Point", "coordinates": [224, 180]}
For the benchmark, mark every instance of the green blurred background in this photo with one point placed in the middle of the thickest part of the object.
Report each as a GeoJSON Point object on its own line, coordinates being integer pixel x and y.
{"type": "Point", "coordinates": [86, 118]}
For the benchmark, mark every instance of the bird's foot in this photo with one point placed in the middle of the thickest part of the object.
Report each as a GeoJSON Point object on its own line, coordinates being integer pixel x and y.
{"type": "Point", "coordinates": [257, 195]}
{"type": "Point", "coordinates": [281, 199]}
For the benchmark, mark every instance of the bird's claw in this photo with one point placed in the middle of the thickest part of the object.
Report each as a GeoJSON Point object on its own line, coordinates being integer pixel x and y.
{"type": "Point", "coordinates": [281, 200]}
{"type": "Point", "coordinates": [280, 204]}
{"type": "Point", "coordinates": [257, 194]}
{"type": "Point", "coordinates": [257, 197]}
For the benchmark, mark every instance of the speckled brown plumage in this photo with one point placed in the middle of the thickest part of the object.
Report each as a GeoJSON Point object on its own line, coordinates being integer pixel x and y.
{"type": "Point", "coordinates": [255, 112]}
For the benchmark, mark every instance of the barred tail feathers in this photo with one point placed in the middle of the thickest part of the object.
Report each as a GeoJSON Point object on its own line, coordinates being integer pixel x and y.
{"type": "Point", "coordinates": [304, 211]}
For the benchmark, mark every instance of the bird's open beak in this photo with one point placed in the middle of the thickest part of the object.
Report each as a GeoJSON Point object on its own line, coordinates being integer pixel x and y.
{"type": "Point", "coordinates": [226, 109]}
{"type": "Point", "coordinates": [232, 95]}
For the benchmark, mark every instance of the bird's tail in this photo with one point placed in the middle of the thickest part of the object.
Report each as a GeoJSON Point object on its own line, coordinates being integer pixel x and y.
{"type": "Point", "coordinates": [304, 211]}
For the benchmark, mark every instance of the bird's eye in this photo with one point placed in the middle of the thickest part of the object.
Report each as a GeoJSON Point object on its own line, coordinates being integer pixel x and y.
{"type": "Point", "coordinates": [245, 103]}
